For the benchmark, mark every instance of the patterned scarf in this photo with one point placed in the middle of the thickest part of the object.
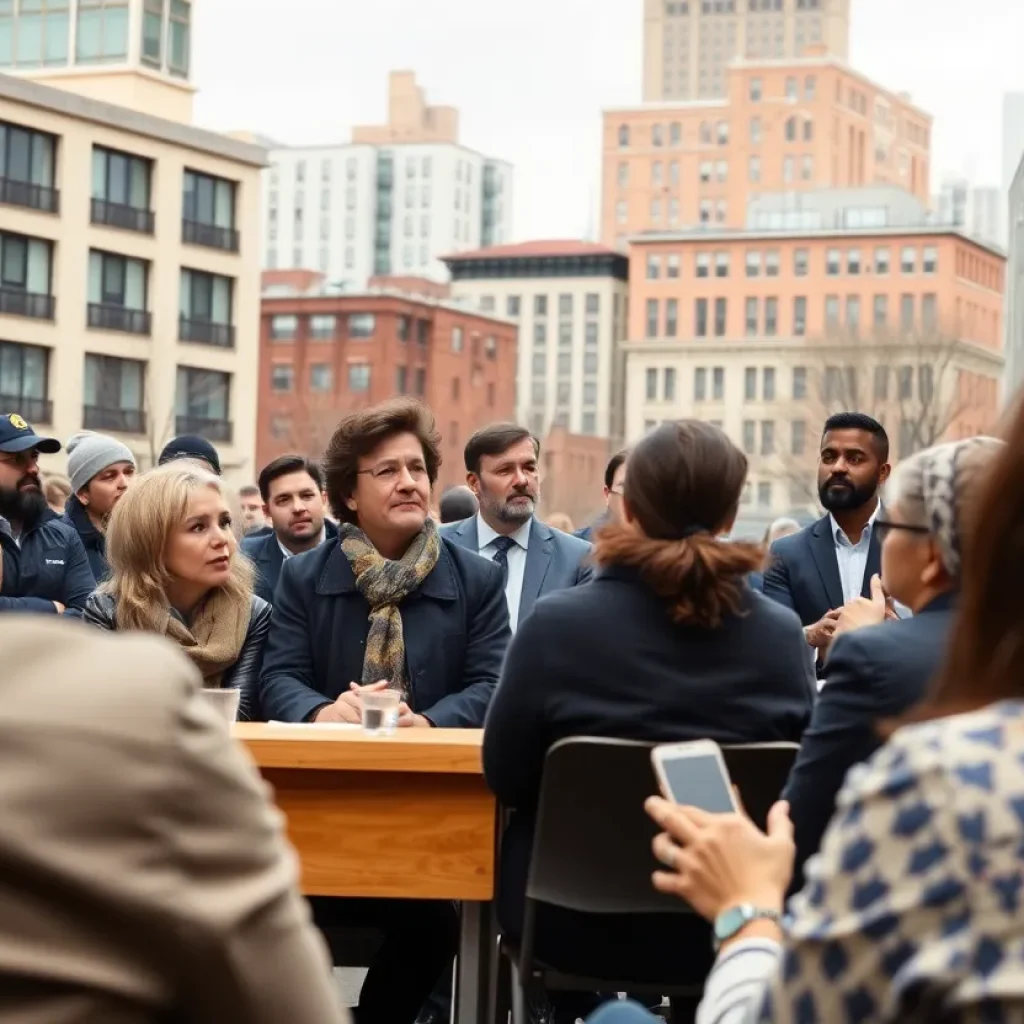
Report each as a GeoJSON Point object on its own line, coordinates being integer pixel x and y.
{"type": "Point", "coordinates": [215, 638]}
{"type": "Point", "coordinates": [385, 584]}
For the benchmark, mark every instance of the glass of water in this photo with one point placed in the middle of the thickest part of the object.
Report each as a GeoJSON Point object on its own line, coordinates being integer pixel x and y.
{"type": "Point", "coordinates": [380, 712]}
{"type": "Point", "coordinates": [224, 702]}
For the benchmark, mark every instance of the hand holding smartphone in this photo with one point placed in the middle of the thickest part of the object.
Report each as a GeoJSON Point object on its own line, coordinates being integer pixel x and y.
{"type": "Point", "coordinates": [694, 774]}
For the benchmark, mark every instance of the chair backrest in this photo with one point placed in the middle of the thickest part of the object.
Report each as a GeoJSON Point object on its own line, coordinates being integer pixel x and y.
{"type": "Point", "coordinates": [592, 841]}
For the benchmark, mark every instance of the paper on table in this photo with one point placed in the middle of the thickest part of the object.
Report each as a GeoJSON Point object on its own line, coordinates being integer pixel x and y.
{"type": "Point", "coordinates": [316, 725]}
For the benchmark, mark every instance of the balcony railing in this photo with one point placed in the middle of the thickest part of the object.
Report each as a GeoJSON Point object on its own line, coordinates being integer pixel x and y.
{"type": "Point", "coordinates": [213, 237]}
{"type": "Point", "coordinates": [119, 318]}
{"type": "Point", "coordinates": [206, 333]}
{"type": "Point", "coordinates": [24, 193]}
{"type": "Point", "coordinates": [125, 421]}
{"type": "Point", "coordinates": [117, 215]}
{"type": "Point", "coordinates": [35, 410]}
{"type": "Point", "coordinates": [212, 430]}
{"type": "Point", "coordinates": [18, 302]}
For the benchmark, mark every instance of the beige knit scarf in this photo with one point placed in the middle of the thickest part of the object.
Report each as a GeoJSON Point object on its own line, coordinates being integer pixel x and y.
{"type": "Point", "coordinates": [214, 639]}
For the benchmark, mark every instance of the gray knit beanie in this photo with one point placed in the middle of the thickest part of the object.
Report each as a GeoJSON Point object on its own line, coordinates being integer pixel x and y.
{"type": "Point", "coordinates": [89, 454]}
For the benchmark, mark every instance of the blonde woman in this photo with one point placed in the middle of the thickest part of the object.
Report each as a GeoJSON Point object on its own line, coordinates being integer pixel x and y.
{"type": "Point", "coordinates": [175, 571]}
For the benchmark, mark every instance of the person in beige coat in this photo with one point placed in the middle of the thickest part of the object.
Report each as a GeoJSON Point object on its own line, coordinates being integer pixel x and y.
{"type": "Point", "coordinates": [145, 874]}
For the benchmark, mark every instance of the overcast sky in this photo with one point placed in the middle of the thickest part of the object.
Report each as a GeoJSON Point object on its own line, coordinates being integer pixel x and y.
{"type": "Point", "coordinates": [530, 78]}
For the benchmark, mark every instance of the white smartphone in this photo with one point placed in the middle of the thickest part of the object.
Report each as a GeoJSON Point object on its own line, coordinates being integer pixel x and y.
{"type": "Point", "coordinates": [694, 774]}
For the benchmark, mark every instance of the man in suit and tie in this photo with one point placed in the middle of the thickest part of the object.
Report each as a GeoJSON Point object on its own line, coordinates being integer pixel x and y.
{"type": "Point", "coordinates": [292, 489]}
{"type": "Point", "coordinates": [502, 471]}
{"type": "Point", "coordinates": [816, 571]}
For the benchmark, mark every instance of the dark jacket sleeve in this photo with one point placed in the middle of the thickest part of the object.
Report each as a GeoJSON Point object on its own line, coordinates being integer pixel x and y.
{"type": "Point", "coordinates": [487, 638]}
{"type": "Point", "coordinates": [79, 581]}
{"type": "Point", "coordinates": [245, 673]}
{"type": "Point", "coordinates": [30, 605]}
{"type": "Point", "coordinates": [776, 581]}
{"type": "Point", "coordinates": [253, 548]}
{"type": "Point", "coordinates": [841, 734]}
{"type": "Point", "coordinates": [287, 691]}
{"type": "Point", "coordinates": [514, 740]}
{"type": "Point", "coordinates": [99, 610]}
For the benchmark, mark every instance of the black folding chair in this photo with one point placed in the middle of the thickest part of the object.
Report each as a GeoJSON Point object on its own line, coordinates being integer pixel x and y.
{"type": "Point", "coordinates": [592, 848]}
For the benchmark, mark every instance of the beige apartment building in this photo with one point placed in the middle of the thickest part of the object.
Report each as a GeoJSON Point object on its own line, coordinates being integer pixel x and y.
{"type": "Point", "coordinates": [766, 332]}
{"type": "Point", "coordinates": [689, 43]}
{"type": "Point", "coordinates": [794, 125]}
{"type": "Point", "coordinates": [129, 297]}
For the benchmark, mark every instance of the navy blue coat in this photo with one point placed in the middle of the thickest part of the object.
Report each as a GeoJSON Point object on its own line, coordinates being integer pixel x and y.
{"type": "Point", "coordinates": [455, 627]}
{"type": "Point", "coordinates": [49, 565]}
{"type": "Point", "coordinates": [266, 555]}
{"type": "Point", "coordinates": [871, 674]}
{"type": "Point", "coordinates": [93, 540]}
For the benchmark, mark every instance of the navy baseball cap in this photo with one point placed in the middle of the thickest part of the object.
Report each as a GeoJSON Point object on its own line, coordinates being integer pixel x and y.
{"type": "Point", "coordinates": [17, 436]}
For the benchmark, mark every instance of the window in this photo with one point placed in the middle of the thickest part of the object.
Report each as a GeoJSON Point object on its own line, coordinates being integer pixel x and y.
{"type": "Point", "coordinates": [512, 305]}
{"type": "Point", "coordinates": [24, 380]}
{"type": "Point", "coordinates": [749, 436]}
{"type": "Point", "coordinates": [27, 167]}
{"type": "Point", "coordinates": [669, 391]}
{"type": "Point", "coordinates": [800, 262]}
{"type": "Point", "coordinates": [718, 383]}
{"type": "Point", "coordinates": [565, 334]}
{"type": "Point", "coordinates": [750, 384]}
{"type": "Point", "coordinates": [771, 317]}
{"type": "Point", "coordinates": [721, 170]}
{"type": "Point", "coordinates": [929, 259]}
{"type": "Point", "coordinates": [675, 133]}
{"type": "Point", "coordinates": [421, 382]}
{"type": "Point", "coordinates": [707, 168]}
{"type": "Point", "coordinates": [753, 263]}
{"type": "Point", "coordinates": [807, 167]}
{"type": "Point", "coordinates": [359, 377]}
{"type": "Point", "coordinates": [657, 177]}
{"type": "Point", "coordinates": [540, 334]}
{"type": "Point", "coordinates": [925, 383]}
{"type": "Point", "coordinates": [102, 32]}
{"type": "Point", "coordinates": [121, 180]}
{"type": "Point", "coordinates": [754, 168]}
{"type": "Point", "coordinates": [853, 261]}
{"type": "Point", "coordinates": [401, 379]}
{"type": "Point", "coordinates": [751, 317]}
{"type": "Point", "coordinates": [672, 269]}
{"type": "Point", "coordinates": [929, 315]}
{"type": "Point", "coordinates": [721, 264]}
{"type": "Point", "coordinates": [25, 276]}
{"type": "Point", "coordinates": [882, 260]}
{"type": "Point", "coordinates": [756, 90]}
{"type": "Point", "coordinates": [321, 377]}
{"type": "Point", "coordinates": [361, 325]}
{"type": "Point", "coordinates": [790, 129]}
{"type": "Point", "coordinates": [671, 317]}
{"type": "Point", "coordinates": [882, 382]}
{"type": "Point", "coordinates": [457, 339]}
{"type": "Point", "coordinates": [905, 382]}
{"type": "Point", "coordinates": [755, 131]}
{"type": "Point", "coordinates": [880, 312]}
{"type": "Point", "coordinates": [703, 264]}
{"type": "Point", "coordinates": [540, 364]}
{"type": "Point", "coordinates": [283, 327]}
{"type": "Point", "coordinates": [282, 378]}
{"type": "Point", "coordinates": [673, 172]}
{"type": "Point", "coordinates": [655, 209]}
{"type": "Point", "coordinates": [721, 311]}
{"type": "Point", "coordinates": [623, 175]}
{"type": "Point", "coordinates": [657, 135]}
{"type": "Point", "coordinates": [652, 318]}
{"type": "Point", "coordinates": [722, 133]}
{"type": "Point", "coordinates": [771, 263]}
{"type": "Point", "coordinates": [651, 384]}
{"type": "Point", "coordinates": [700, 384]}
{"type": "Point", "coordinates": [853, 314]}
{"type": "Point", "coordinates": [832, 311]}
{"type": "Point", "coordinates": [907, 312]}
{"type": "Point", "coordinates": [487, 303]}
{"type": "Point", "coordinates": [705, 211]}
{"type": "Point", "coordinates": [178, 59]}
{"type": "Point", "coordinates": [810, 88]}
{"type": "Point", "coordinates": [113, 394]}
{"type": "Point", "coordinates": [653, 267]}
{"type": "Point", "coordinates": [799, 381]}
{"type": "Point", "coordinates": [908, 259]}
{"type": "Point", "coordinates": [322, 326]}
{"type": "Point", "coordinates": [117, 293]}
{"type": "Point", "coordinates": [590, 362]}
{"type": "Point", "coordinates": [787, 169]}
{"type": "Point", "coordinates": [767, 439]}
{"type": "Point", "coordinates": [832, 262]}
{"type": "Point", "coordinates": [792, 89]}
{"type": "Point", "coordinates": [564, 364]}
{"type": "Point", "coordinates": [700, 318]}
{"type": "Point", "coordinates": [621, 214]}
{"type": "Point", "coordinates": [590, 334]}
{"type": "Point", "coordinates": [209, 212]}
{"type": "Point", "coordinates": [540, 305]}
{"type": "Point", "coordinates": [205, 308]}
{"type": "Point", "coordinates": [800, 315]}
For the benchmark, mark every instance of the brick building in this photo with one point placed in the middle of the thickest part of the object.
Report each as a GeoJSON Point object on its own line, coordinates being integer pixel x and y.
{"type": "Point", "coordinates": [323, 355]}
{"type": "Point", "coordinates": [797, 125]}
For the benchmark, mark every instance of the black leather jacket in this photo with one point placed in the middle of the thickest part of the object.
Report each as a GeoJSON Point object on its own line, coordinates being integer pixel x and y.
{"type": "Point", "coordinates": [101, 608]}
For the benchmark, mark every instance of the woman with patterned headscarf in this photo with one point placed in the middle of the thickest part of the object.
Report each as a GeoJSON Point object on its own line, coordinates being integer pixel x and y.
{"type": "Point", "coordinates": [880, 665]}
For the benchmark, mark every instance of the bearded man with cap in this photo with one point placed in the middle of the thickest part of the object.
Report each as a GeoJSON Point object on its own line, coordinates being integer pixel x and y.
{"type": "Point", "coordinates": [100, 469]}
{"type": "Point", "coordinates": [44, 567]}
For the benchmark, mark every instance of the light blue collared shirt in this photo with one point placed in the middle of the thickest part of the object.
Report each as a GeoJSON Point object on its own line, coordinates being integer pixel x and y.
{"type": "Point", "coordinates": [516, 556]}
{"type": "Point", "coordinates": [852, 559]}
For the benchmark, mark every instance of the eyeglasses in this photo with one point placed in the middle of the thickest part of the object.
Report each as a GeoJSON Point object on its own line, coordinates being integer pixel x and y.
{"type": "Point", "coordinates": [883, 527]}
{"type": "Point", "coordinates": [389, 472]}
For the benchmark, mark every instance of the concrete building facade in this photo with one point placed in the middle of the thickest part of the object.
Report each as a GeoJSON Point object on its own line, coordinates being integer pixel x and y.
{"type": "Point", "coordinates": [689, 43]}
{"type": "Point", "coordinates": [323, 354]}
{"type": "Point", "coordinates": [767, 332]}
{"type": "Point", "coordinates": [390, 202]}
{"type": "Point", "coordinates": [979, 210]}
{"type": "Point", "coordinates": [129, 297]}
{"type": "Point", "coordinates": [569, 300]}
{"type": "Point", "coordinates": [794, 125]}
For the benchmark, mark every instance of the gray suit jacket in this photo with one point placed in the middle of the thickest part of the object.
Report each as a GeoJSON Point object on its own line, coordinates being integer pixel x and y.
{"type": "Point", "coordinates": [554, 560]}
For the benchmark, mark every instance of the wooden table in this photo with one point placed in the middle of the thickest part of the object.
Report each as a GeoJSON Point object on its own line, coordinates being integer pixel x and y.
{"type": "Point", "coordinates": [405, 817]}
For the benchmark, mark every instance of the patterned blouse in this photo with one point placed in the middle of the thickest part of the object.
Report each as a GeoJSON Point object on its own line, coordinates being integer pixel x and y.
{"type": "Point", "coordinates": [914, 909]}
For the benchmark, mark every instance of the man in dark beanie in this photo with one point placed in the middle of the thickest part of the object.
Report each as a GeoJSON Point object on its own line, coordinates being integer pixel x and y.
{"type": "Point", "coordinates": [191, 446]}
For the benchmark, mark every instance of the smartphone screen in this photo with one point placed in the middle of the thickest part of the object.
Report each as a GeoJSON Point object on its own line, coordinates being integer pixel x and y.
{"type": "Point", "coordinates": [698, 782]}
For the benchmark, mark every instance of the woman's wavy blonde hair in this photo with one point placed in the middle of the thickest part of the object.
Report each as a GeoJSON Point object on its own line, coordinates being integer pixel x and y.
{"type": "Point", "coordinates": [140, 527]}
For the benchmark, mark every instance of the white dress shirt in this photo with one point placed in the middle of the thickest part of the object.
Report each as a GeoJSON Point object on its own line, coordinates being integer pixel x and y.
{"type": "Point", "coordinates": [516, 556]}
{"type": "Point", "coordinates": [852, 559]}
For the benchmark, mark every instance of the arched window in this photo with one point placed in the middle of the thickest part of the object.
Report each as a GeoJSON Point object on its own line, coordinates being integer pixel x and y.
{"type": "Point", "coordinates": [623, 136]}
{"type": "Point", "coordinates": [791, 129]}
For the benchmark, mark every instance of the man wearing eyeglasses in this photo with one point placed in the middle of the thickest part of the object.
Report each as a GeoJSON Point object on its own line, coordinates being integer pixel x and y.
{"type": "Point", "coordinates": [614, 483]}
{"type": "Point", "coordinates": [45, 569]}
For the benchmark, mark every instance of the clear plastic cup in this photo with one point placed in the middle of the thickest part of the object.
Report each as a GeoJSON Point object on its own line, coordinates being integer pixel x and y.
{"type": "Point", "coordinates": [224, 702]}
{"type": "Point", "coordinates": [380, 712]}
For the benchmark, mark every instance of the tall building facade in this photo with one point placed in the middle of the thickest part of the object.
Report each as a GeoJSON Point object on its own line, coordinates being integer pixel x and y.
{"type": "Point", "coordinates": [129, 295]}
{"type": "Point", "coordinates": [569, 301]}
{"type": "Point", "coordinates": [979, 210]}
{"type": "Point", "coordinates": [135, 53]}
{"type": "Point", "coordinates": [324, 354]}
{"type": "Point", "coordinates": [766, 331]}
{"type": "Point", "coordinates": [797, 125]}
{"type": "Point", "coordinates": [391, 202]}
{"type": "Point", "coordinates": [688, 44]}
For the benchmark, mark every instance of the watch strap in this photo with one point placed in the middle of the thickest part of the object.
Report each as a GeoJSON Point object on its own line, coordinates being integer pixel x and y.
{"type": "Point", "coordinates": [729, 922]}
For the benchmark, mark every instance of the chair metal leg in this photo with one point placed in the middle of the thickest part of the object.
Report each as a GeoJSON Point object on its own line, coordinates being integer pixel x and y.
{"type": "Point", "coordinates": [518, 997]}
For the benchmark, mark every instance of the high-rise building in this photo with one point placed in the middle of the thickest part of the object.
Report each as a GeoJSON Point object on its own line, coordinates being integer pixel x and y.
{"type": "Point", "coordinates": [135, 53]}
{"type": "Point", "coordinates": [796, 125]}
{"type": "Point", "coordinates": [980, 211]}
{"type": "Point", "coordinates": [392, 201]}
{"type": "Point", "coordinates": [689, 43]}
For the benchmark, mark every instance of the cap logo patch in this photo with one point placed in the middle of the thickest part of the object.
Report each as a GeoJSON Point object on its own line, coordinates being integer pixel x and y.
{"type": "Point", "coordinates": [17, 422]}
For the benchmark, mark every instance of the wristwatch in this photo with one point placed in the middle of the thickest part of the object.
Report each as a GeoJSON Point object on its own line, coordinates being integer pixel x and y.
{"type": "Point", "coordinates": [730, 921]}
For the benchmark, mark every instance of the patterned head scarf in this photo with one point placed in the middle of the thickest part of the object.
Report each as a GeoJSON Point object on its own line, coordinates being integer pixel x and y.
{"type": "Point", "coordinates": [933, 488]}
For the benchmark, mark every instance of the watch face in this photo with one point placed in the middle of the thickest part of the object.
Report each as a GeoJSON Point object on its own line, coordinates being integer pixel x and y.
{"type": "Point", "coordinates": [730, 921]}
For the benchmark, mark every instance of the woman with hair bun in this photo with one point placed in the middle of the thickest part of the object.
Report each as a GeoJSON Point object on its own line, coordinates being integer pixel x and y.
{"type": "Point", "coordinates": [667, 644]}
